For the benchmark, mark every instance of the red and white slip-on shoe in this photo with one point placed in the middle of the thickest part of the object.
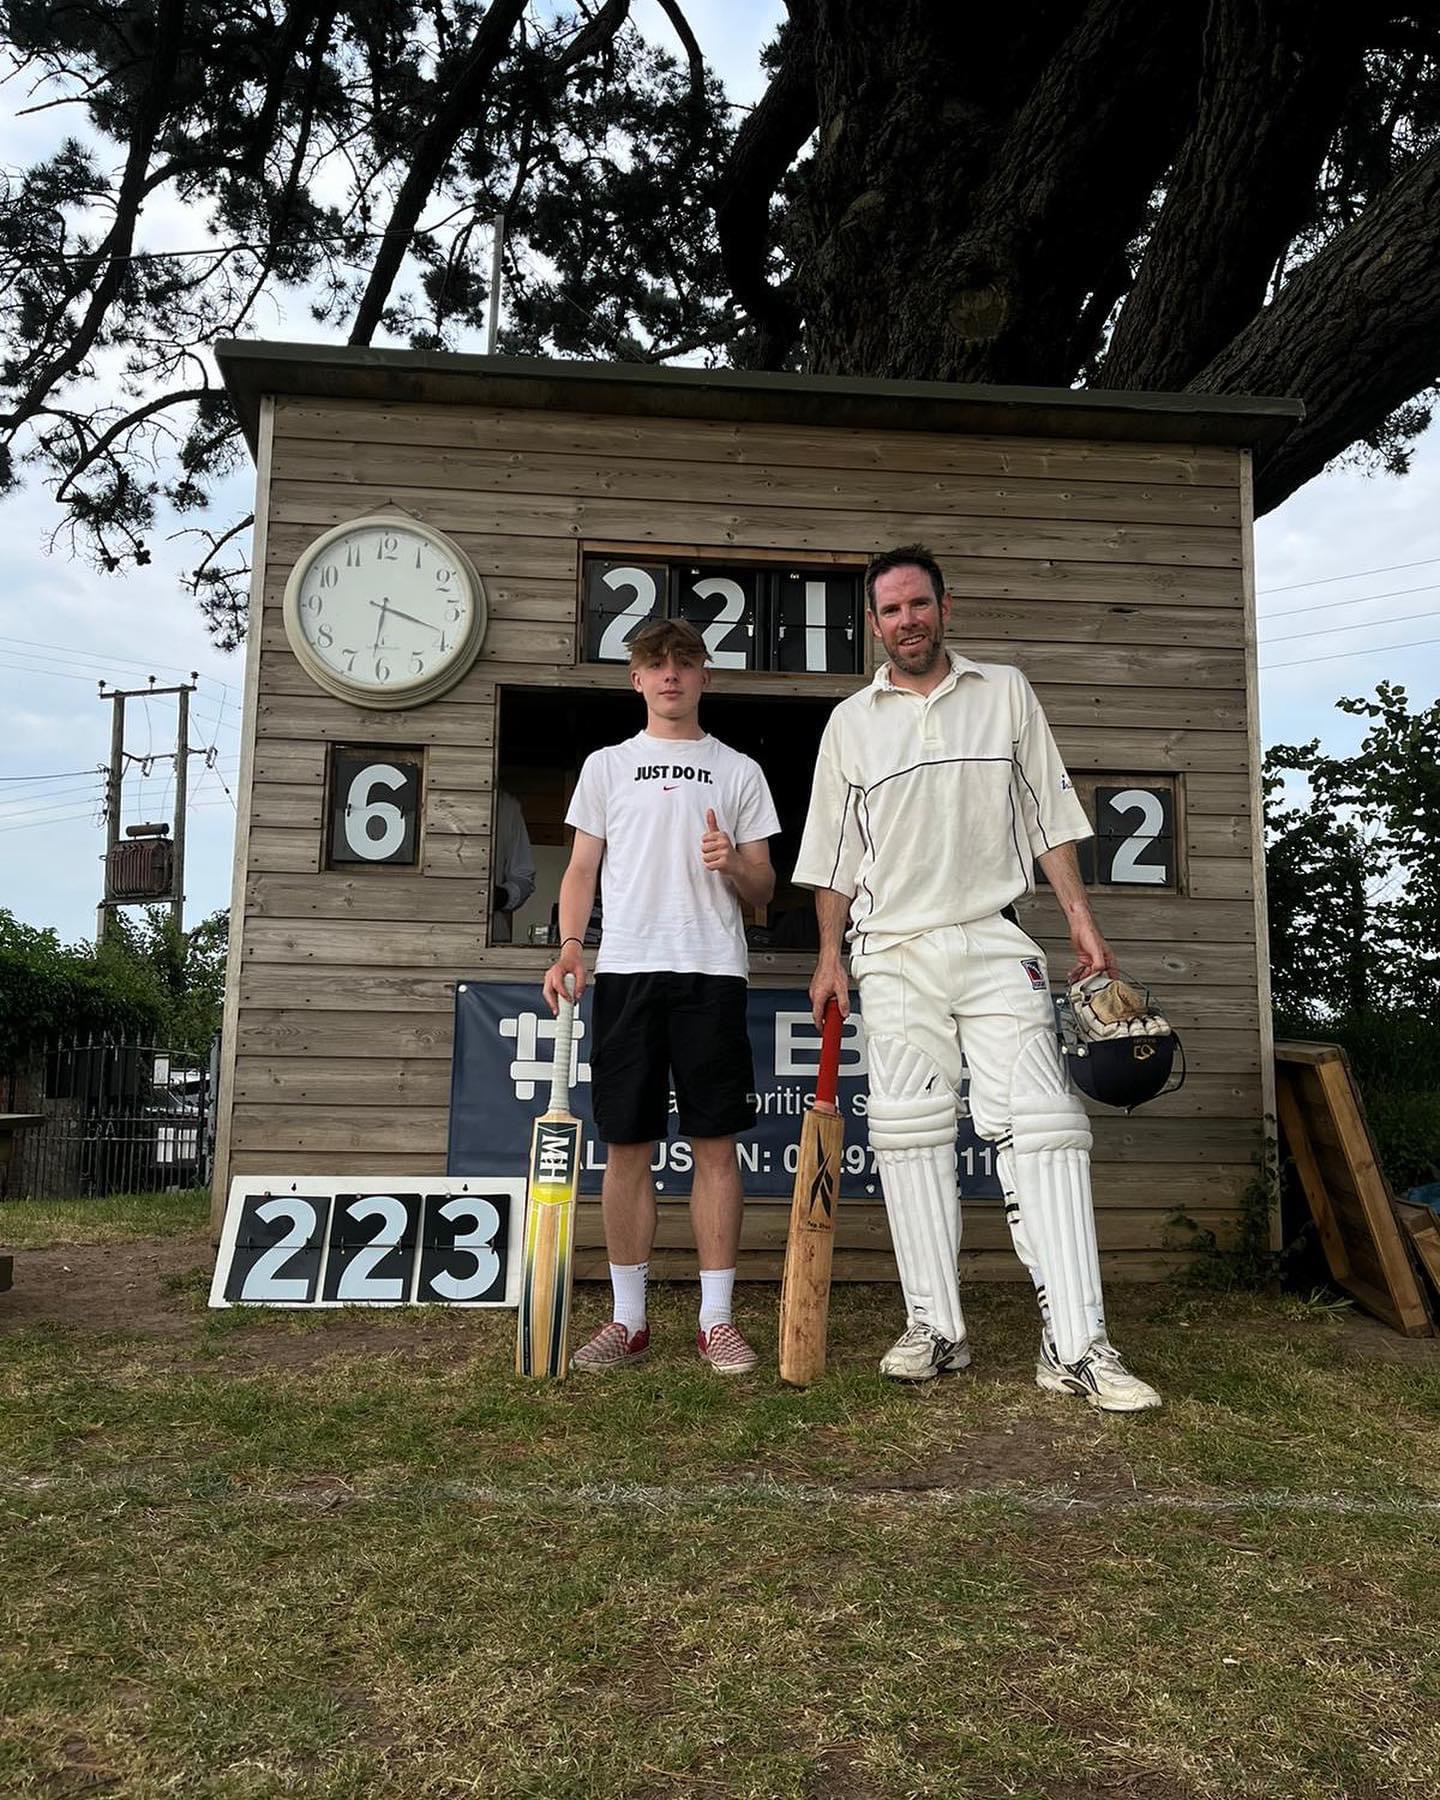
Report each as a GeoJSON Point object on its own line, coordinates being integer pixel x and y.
{"type": "Point", "coordinates": [725, 1350]}
{"type": "Point", "coordinates": [611, 1347]}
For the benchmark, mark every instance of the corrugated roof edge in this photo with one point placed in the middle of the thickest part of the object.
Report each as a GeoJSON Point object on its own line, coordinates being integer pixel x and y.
{"type": "Point", "coordinates": [252, 369]}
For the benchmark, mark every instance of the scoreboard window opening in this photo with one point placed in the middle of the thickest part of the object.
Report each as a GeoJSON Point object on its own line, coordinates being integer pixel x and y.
{"type": "Point", "coordinates": [545, 734]}
{"type": "Point", "coordinates": [796, 618]}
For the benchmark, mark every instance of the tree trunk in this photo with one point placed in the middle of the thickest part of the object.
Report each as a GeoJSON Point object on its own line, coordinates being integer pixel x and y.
{"type": "Point", "coordinates": [1354, 333]}
{"type": "Point", "coordinates": [976, 177]}
{"type": "Point", "coordinates": [1275, 76]}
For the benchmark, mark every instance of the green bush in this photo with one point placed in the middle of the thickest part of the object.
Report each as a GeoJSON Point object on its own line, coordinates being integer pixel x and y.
{"type": "Point", "coordinates": [1406, 1129]}
{"type": "Point", "coordinates": [146, 981]}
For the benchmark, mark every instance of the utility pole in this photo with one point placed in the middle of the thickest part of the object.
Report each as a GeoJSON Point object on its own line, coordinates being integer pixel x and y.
{"type": "Point", "coordinates": [182, 795]}
{"type": "Point", "coordinates": [497, 276]}
{"type": "Point", "coordinates": [112, 806]}
{"type": "Point", "coordinates": [113, 781]}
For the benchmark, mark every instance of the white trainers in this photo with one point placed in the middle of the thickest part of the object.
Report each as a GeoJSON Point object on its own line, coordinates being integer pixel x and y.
{"type": "Point", "coordinates": [921, 1354]}
{"type": "Point", "coordinates": [1098, 1377]}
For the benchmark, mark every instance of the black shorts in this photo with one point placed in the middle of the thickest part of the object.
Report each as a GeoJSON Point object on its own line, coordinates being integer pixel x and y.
{"type": "Point", "coordinates": [651, 1026]}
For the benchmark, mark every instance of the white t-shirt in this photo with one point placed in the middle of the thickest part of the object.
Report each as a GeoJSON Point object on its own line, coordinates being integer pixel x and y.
{"type": "Point", "coordinates": [930, 810]}
{"type": "Point", "coordinates": [647, 798]}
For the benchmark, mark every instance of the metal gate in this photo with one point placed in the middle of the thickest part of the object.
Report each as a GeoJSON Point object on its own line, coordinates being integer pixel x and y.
{"type": "Point", "coordinates": [120, 1118]}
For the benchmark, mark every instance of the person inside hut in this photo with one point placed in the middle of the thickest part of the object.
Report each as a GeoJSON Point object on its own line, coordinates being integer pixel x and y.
{"type": "Point", "coordinates": [514, 867]}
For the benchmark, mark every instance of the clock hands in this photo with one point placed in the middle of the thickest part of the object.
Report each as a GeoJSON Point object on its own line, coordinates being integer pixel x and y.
{"type": "Point", "coordinates": [385, 606]}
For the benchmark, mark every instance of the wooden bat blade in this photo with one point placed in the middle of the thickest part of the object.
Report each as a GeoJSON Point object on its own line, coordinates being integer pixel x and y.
{"type": "Point", "coordinates": [542, 1331]}
{"type": "Point", "coordinates": [809, 1249]}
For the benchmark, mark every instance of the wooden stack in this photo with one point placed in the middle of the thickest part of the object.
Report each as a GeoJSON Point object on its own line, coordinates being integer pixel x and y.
{"type": "Point", "coordinates": [1325, 1133]}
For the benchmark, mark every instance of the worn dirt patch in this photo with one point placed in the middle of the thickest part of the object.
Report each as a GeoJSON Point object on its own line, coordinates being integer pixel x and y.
{"type": "Point", "coordinates": [105, 1287]}
{"type": "Point", "coordinates": [1029, 1452]}
{"type": "Point", "coordinates": [154, 1290]}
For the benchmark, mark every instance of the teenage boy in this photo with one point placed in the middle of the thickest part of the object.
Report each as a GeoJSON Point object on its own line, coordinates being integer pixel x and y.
{"type": "Point", "coordinates": [674, 824]}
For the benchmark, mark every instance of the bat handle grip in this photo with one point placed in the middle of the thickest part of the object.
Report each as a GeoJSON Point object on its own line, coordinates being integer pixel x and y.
{"type": "Point", "coordinates": [827, 1082]}
{"type": "Point", "coordinates": [564, 1037]}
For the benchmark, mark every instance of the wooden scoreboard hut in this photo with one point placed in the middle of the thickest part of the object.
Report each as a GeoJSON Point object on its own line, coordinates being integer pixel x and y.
{"type": "Point", "coordinates": [1100, 541]}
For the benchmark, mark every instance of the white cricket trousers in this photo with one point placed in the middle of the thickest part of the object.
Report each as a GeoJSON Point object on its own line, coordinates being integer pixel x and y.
{"type": "Point", "coordinates": [982, 990]}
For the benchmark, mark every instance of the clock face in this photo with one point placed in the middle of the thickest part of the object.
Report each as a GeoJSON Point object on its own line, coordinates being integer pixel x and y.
{"type": "Point", "coordinates": [385, 612]}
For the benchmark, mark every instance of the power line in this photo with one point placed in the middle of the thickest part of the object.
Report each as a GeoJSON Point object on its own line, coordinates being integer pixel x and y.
{"type": "Point", "coordinates": [1354, 575]}
{"type": "Point", "coordinates": [60, 775]}
{"type": "Point", "coordinates": [100, 660]}
{"type": "Point", "coordinates": [1347, 655]}
{"type": "Point", "coordinates": [47, 791]}
{"type": "Point", "coordinates": [50, 674]}
{"type": "Point", "coordinates": [60, 818]}
{"type": "Point", "coordinates": [1293, 637]}
{"type": "Point", "coordinates": [1287, 612]}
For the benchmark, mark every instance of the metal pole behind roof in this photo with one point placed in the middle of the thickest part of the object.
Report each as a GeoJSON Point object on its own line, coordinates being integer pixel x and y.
{"type": "Point", "coordinates": [497, 249]}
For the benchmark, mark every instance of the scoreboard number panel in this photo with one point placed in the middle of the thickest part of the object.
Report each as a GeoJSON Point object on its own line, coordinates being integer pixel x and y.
{"type": "Point", "coordinates": [1135, 835]}
{"type": "Point", "coordinates": [620, 597]}
{"type": "Point", "coordinates": [797, 618]}
{"type": "Point", "coordinates": [356, 1241]}
{"type": "Point", "coordinates": [723, 606]}
{"type": "Point", "coordinates": [1135, 841]}
{"type": "Point", "coordinates": [817, 622]}
{"type": "Point", "coordinates": [374, 812]}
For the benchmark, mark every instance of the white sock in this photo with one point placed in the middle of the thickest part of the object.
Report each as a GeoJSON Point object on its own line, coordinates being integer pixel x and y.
{"type": "Point", "coordinates": [627, 1280]}
{"type": "Point", "coordinates": [717, 1288]}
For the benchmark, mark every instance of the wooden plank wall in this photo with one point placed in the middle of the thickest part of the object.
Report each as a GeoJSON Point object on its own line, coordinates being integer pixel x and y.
{"type": "Point", "coordinates": [1111, 573]}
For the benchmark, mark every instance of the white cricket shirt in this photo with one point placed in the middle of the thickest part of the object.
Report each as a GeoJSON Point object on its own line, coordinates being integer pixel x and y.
{"type": "Point", "coordinates": [647, 797]}
{"type": "Point", "coordinates": [929, 810]}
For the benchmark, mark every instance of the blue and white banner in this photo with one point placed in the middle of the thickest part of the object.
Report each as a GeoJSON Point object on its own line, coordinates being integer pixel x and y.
{"type": "Point", "coordinates": [500, 1081]}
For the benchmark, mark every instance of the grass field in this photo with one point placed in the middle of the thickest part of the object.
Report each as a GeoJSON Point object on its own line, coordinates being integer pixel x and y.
{"type": "Point", "coordinates": [349, 1555]}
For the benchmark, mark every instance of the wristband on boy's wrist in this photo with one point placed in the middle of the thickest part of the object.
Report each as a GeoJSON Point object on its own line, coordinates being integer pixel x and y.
{"type": "Point", "coordinates": [572, 940]}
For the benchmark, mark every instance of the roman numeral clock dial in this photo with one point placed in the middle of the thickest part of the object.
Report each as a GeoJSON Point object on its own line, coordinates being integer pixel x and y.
{"type": "Point", "coordinates": [385, 612]}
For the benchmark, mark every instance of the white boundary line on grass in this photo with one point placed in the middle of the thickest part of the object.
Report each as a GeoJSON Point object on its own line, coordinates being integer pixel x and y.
{"type": "Point", "coordinates": [335, 1492]}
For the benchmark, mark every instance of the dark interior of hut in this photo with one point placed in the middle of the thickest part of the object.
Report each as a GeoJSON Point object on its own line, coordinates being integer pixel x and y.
{"type": "Point", "coordinates": [545, 734]}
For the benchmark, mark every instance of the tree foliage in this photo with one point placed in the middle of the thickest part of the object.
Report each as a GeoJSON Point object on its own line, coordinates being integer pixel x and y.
{"type": "Point", "coordinates": [1232, 196]}
{"type": "Point", "coordinates": [1353, 872]}
{"type": "Point", "coordinates": [1353, 866]}
{"type": "Point", "coordinates": [146, 981]}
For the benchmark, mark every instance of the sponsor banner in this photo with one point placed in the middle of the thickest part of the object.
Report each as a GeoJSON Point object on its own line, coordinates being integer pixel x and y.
{"type": "Point", "coordinates": [500, 1081]}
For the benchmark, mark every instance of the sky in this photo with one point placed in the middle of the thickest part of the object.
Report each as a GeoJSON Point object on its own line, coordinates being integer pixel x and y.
{"type": "Point", "coordinates": [1347, 573]}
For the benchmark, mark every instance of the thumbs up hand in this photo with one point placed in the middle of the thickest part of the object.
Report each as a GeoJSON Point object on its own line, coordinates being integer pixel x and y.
{"type": "Point", "coordinates": [717, 852]}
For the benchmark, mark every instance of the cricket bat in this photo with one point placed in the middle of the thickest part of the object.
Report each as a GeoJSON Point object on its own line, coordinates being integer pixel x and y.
{"type": "Point", "coordinates": [805, 1289]}
{"type": "Point", "coordinates": [542, 1331]}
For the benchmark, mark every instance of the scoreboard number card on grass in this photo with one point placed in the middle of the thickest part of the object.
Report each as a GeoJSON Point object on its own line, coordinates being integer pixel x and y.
{"type": "Point", "coordinates": [356, 1240]}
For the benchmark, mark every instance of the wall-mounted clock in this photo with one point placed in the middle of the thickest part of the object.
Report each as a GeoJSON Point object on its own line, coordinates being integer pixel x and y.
{"type": "Point", "coordinates": [383, 611]}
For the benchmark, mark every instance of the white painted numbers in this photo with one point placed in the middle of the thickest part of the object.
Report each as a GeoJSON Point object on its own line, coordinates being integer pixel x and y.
{"type": "Point", "coordinates": [374, 814]}
{"type": "Point", "coordinates": [755, 616]}
{"type": "Point", "coordinates": [345, 1243]}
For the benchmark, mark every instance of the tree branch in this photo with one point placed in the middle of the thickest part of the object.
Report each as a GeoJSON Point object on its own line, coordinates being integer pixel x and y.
{"type": "Point", "coordinates": [765, 147]}
{"type": "Point", "coordinates": [457, 113]}
{"type": "Point", "coordinates": [1069, 188]}
{"type": "Point", "coordinates": [1353, 334]}
{"type": "Point", "coordinates": [687, 37]}
{"type": "Point", "coordinates": [1273, 81]}
{"type": "Point", "coordinates": [149, 113]}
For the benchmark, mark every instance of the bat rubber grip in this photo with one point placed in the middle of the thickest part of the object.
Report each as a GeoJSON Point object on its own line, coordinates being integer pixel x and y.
{"type": "Point", "coordinates": [827, 1082]}
{"type": "Point", "coordinates": [564, 1035]}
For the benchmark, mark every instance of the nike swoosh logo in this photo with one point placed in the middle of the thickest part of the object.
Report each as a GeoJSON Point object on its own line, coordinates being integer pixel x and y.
{"type": "Point", "coordinates": [672, 787]}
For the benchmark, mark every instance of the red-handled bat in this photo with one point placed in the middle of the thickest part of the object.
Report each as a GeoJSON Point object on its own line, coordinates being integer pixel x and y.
{"type": "Point", "coordinates": [805, 1291]}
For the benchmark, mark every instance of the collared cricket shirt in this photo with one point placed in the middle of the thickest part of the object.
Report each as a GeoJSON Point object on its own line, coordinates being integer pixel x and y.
{"type": "Point", "coordinates": [930, 810]}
